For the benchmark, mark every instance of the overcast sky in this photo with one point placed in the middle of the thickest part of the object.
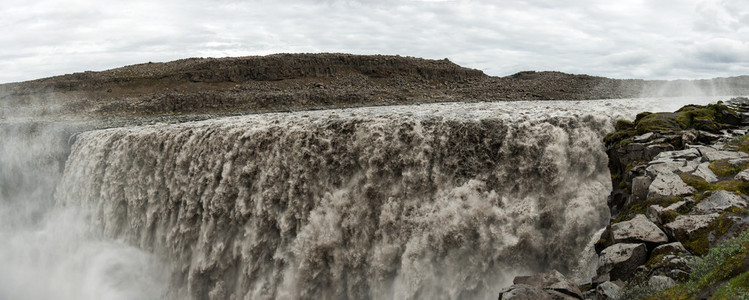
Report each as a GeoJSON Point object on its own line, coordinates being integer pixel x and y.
{"type": "Point", "coordinates": [651, 39]}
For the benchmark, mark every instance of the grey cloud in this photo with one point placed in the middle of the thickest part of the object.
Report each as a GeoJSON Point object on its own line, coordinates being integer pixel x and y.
{"type": "Point", "coordinates": [625, 39]}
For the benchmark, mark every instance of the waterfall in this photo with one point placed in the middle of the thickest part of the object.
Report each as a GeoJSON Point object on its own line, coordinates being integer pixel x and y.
{"type": "Point", "coordinates": [444, 201]}
{"type": "Point", "coordinates": [374, 203]}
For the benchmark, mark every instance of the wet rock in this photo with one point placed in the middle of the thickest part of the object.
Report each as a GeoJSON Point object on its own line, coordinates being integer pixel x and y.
{"type": "Point", "coordinates": [552, 280]}
{"type": "Point", "coordinates": [661, 282]}
{"type": "Point", "coordinates": [638, 229]}
{"type": "Point", "coordinates": [669, 185]}
{"type": "Point", "coordinates": [607, 291]}
{"type": "Point", "coordinates": [718, 202]}
{"type": "Point", "coordinates": [620, 260]}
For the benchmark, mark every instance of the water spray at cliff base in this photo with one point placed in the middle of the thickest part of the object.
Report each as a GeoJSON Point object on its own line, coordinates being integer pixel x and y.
{"type": "Point", "coordinates": [445, 201]}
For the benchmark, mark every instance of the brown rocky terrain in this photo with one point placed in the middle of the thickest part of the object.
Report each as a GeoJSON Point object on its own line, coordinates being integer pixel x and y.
{"type": "Point", "coordinates": [309, 81]}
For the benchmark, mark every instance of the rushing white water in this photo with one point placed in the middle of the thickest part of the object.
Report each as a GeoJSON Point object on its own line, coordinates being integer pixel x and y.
{"type": "Point", "coordinates": [428, 201]}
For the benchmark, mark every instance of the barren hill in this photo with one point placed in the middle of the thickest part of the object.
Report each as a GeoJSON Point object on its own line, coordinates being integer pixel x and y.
{"type": "Point", "coordinates": [309, 81]}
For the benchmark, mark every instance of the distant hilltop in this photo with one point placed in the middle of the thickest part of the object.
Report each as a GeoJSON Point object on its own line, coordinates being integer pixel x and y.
{"type": "Point", "coordinates": [313, 81]}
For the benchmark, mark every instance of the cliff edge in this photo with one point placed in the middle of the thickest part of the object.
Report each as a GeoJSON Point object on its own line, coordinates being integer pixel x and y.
{"type": "Point", "coordinates": [311, 81]}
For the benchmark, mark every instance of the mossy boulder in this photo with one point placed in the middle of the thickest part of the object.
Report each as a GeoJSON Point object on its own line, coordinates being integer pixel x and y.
{"type": "Point", "coordinates": [698, 233]}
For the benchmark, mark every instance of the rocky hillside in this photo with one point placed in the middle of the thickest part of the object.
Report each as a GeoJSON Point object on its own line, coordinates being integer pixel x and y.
{"type": "Point", "coordinates": [680, 224]}
{"type": "Point", "coordinates": [309, 81]}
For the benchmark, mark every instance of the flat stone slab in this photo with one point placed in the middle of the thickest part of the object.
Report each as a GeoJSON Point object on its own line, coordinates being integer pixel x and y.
{"type": "Point", "coordinates": [687, 154]}
{"type": "Point", "coordinates": [643, 137]}
{"type": "Point", "coordinates": [718, 202]}
{"type": "Point", "coordinates": [669, 185]}
{"type": "Point", "coordinates": [639, 229]}
{"type": "Point", "coordinates": [718, 155]}
{"type": "Point", "coordinates": [663, 167]}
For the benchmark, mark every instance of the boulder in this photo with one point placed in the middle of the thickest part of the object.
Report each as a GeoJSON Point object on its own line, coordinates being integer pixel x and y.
{"type": "Point", "coordinates": [608, 291]}
{"type": "Point", "coordinates": [620, 260]}
{"type": "Point", "coordinates": [674, 248]}
{"type": "Point", "coordinates": [687, 154]}
{"type": "Point", "coordinates": [718, 202]}
{"type": "Point", "coordinates": [703, 170]}
{"type": "Point", "coordinates": [660, 283]}
{"type": "Point", "coordinates": [669, 185]}
{"type": "Point", "coordinates": [659, 215]}
{"type": "Point", "coordinates": [524, 292]}
{"type": "Point", "coordinates": [552, 280]}
{"type": "Point", "coordinates": [638, 229]}
{"type": "Point", "coordinates": [684, 226]}
{"type": "Point", "coordinates": [742, 176]}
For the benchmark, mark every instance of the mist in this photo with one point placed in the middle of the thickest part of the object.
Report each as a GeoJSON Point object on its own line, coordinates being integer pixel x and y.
{"type": "Point", "coordinates": [51, 251]}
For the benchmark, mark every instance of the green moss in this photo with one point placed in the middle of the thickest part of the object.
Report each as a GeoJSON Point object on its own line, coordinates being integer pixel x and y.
{"type": "Point", "coordinates": [669, 216]}
{"type": "Point", "coordinates": [622, 125]}
{"type": "Point", "coordinates": [641, 115]}
{"type": "Point", "coordinates": [616, 137]}
{"type": "Point", "coordinates": [696, 182]}
{"type": "Point", "coordinates": [655, 122]}
{"type": "Point", "coordinates": [701, 184]}
{"type": "Point", "coordinates": [723, 168]}
{"type": "Point", "coordinates": [699, 242]}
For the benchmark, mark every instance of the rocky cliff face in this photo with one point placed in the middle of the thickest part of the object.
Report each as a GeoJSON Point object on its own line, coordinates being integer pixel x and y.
{"type": "Point", "coordinates": [308, 81]}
